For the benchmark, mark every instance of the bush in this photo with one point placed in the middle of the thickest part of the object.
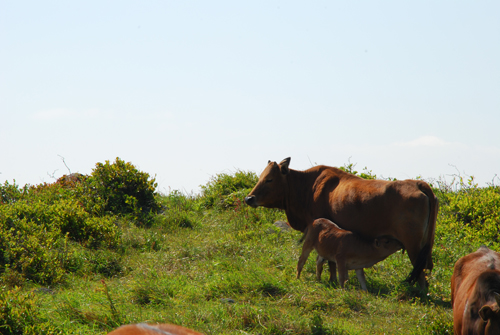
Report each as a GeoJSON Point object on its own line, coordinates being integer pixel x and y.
{"type": "Point", "coordinates": [225, 191]}
{"type": "Point", "coordinates": [471, 210]}
{"type": "Point", "coordinates": [35, 232]}
{"type": "Point", "coordinates": [119, 188]}
{"type": "Point", "coordinates": [11, 193]}
{"type": "Point", "coordinates": [32, 251]}
{"type": "Point", "coordinates": [65, 216]}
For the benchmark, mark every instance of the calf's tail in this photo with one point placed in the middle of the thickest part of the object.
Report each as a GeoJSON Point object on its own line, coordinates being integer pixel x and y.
{"type": "Point", "coordinates": [424, 258]}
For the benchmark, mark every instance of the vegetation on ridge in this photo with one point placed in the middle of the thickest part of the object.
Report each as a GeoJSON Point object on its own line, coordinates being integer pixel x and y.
{"type": "Point", "coordinates": [86, 254]}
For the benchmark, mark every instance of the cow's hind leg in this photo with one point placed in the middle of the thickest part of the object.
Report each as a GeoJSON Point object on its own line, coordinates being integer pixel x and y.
{"type": "Point", "coordinates": [420, 258]}
{"type": "Point", "coordinates": [418, 238]}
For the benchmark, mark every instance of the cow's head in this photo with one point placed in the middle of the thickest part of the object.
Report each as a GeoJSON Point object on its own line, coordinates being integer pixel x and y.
{"type": "Point", "coordinates": [491, 318]}
{"type": "Point", "coordinates": [271, 189]}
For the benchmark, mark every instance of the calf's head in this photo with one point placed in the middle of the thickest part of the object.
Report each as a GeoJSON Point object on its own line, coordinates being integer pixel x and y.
{"type": "Point", "coordinates": [271, 187]}
{"type": "Point", "coordinates": [387, 245]}
{"type": "Point", "coordinates": [490, 315]}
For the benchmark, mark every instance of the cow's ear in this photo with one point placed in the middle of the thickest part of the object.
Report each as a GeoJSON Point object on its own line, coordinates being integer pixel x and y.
{"type": "Point", "coordinates": [284, 165]}
{"type": "Point", "coordinates": [486, 313]}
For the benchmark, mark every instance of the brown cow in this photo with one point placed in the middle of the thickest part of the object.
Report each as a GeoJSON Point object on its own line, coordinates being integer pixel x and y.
{"type": "Point", "coordinates": [405, 210]}
{"type": "Point", "coordinates": [344, 249]}
{"type": "Point", "coordinates": [158, 329]}
{"type": "Point", "coordinates": [475, 288]}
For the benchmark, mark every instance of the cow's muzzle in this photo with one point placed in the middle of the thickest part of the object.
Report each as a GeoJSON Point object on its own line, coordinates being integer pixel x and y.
{"type": "Point", "coordinates": [250, 201]}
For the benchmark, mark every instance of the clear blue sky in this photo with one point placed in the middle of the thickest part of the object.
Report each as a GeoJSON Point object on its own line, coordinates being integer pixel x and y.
{"type": "Point", "coordinates": [188, 89]}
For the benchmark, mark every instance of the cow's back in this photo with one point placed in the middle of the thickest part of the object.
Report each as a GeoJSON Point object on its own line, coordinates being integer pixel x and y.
{"type": "Point", "coordinates": [371, 207]}
{"type": "Point", "coordinates": [475, 277]}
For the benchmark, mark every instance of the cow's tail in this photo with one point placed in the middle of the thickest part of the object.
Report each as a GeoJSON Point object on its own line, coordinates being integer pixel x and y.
{"type": "Point", "coordinates": [303, 237]}
{"type": "Point", "coordinates": [424, 258]}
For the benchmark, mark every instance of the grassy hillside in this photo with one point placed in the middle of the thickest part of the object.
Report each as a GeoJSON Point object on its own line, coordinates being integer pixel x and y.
{"type": "Point", "coordinates": [88, 253]}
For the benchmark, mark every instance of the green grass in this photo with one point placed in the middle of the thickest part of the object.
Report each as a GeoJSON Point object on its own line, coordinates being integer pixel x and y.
{"type": "Point", "coordinates": [226, 269]}
{"type": "Point", "coordinates": [231, 276]}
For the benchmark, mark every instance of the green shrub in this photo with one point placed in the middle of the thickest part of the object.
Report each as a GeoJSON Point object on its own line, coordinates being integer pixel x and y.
{"type": "Point", "coordinates": [94, 232]}
{"type": "Point", "coordinates": [470, 211]}
{"type": "Point", "coordinates": [120, 188]}
{"type": "Point", "coordinates": [48, 193]}
{"type": "Point", "coordinates": [32, 251]}
{"type": "Point", "coordinates": [225, 191]}
{"type": "Point", "coordinates": [65, 216]}
{"type": "Point", "coordinates": [11, 193]}
{"type": "Point", "coordinates": [35, 235]}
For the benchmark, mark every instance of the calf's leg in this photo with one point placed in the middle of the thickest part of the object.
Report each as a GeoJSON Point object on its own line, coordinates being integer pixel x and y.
{"type": "Point", "coordinates": [319, 266]}
{"type": "Point", "coordinates": [360, 273]}
{"type": "Point", "coordinates": [343, 275]}
{"type": "Point", "coordinates": [333, 271]}
{"type": "Point", "coordinates": [306, 250]}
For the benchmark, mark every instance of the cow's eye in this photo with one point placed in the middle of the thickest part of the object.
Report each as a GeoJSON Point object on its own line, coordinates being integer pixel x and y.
{"type": "Point", "coordinates": [268, 180]}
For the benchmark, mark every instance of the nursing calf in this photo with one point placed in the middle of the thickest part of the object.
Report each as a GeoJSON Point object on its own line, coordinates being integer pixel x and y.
{"type": "Point", "coordinates": [344, 249]}
{"type": "Point", "coordinates": [475, 288]}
